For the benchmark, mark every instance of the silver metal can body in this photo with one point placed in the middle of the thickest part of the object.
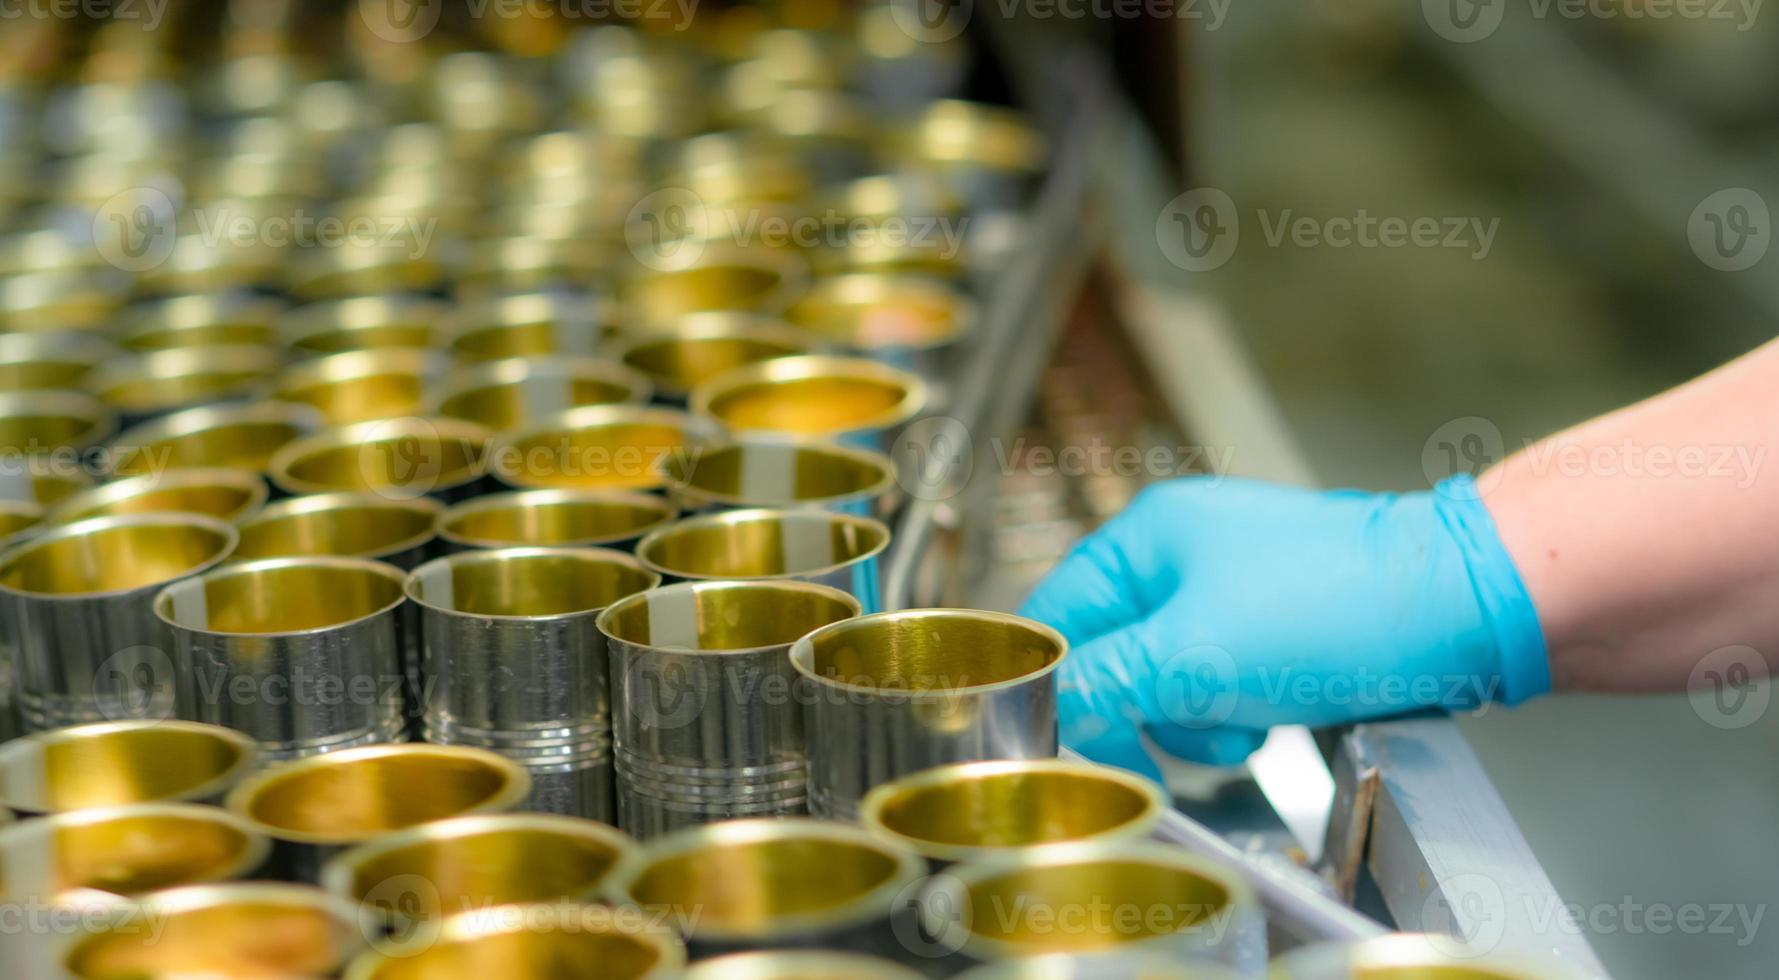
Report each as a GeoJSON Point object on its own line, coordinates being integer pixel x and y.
{"type": "Point", "coordinates": [899, 692]}
{"type": "Point", "coordinates": [301, 654]}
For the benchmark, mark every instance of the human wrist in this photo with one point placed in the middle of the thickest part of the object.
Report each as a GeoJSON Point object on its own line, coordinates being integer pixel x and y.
{"type": "Point", "coordinates": [1503, 601]}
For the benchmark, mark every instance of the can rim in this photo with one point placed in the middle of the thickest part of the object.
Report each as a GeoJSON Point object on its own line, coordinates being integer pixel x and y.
{"type": "Point", "coordinates": [803, 653]}
{"type": "Point", "coordinates": [170, 594]}
{"type": "Point", "coordinates": [611, 612]}
{"type": "Point", "coordinates": [246, 753]}
{"type": "Point", "coordinates": [222, 529]}
{"type": "Point", "coordinates": [519, 499]}
{"type": "Point", "coordinates": [870, 525]}
{"type": "Point", "coordinates": [600, 556]}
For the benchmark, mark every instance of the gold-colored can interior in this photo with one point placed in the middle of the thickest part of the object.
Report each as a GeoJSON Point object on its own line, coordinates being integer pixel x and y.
{"type": "Point", "coordinates": [39, 422]}
{"type": "Point", "coordinates": [594, 452]}
{"type": "Point", "coordinates": [238, 437]}
{"type": "Point", "coordinates": [183, 376]}
{"type": "Point", "coordinates": [51, 359]}
{"type": "Point", "coordinates": [726, 616]}
{"type": "Point", "coordinates": [761, 545]}
{"type": "Point", "coordinates": [529, 325]}
{"type": "Point", "coordinates": [809, 399]}
{"type": "Point", "coordinates": [114, 556]}
{"type": "Point", "coordinates": [538, 943]}
{"type": "Point", "coordinates": [681, 360]}
{"type": "Point", "coordinates": [107, 765]}
{"type": "Point", "coordinates": [752, 886]}
{"type": "Point", "coordinates": [926, 650]}
{"type": "Point", "coordinates": [224, 494]}
{"type": "Point", "coordinates": [18, 515]}
{"type": "Point", "coordinates": [256, 931]}
{"type": "Point", "coordinates": [504, 861]}
{"type": "Point", "coordinates": [1185, 899]}
{"type": "Point", "coordinates": [282, 596]}
{"type": "Point", "coordinates": [528, 582]}
{"type": "Point", "coordinates": [200, 320]}
{"type": "Point", "coordinates": [358, 386]}
{"type": "Point", "coordinates": [132, 850]}
{"type": "Point", "coordinates": [519, 391]}
{"type": "Point", "coordinates": [719, 283]}
{"type": "Point", "coordinates": [362, 525]}
{"type": "Point", "coordinates": [766, 473]}
{"type": "Point", "coordinates": [1004, 805]}
{"type": "Point", "coordinates": [387, 457]}
{"type": "Point", "coordinates": [546, 517]}
{"type": "Point", "coordinates": [354, 795]}
{"type": "Point", "coordinates": [799, 964]}
{"type": "Point", "coordinates": [363, 323]}
{"type": "Point", "coordinates": [874, 312]}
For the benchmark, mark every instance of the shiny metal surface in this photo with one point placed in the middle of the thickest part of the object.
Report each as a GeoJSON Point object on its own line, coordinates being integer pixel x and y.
{"type": "Point", "coordinates": [225, 494]}
{"type": "Point", "coordinates": [200, 320]}
{"type": "Point", "coordinates": [400, 458]}
{"type": "Point", "coordinates": [976, 809]}
{"type": "Point", "coordinates": [364, 323]}
{"type": "Point", "coordinates": [243, 436]}
{"type": "Point", "coordinates": [1407, 956]}
{"type": "Point", "coordinates": [899, 692]}
{"type": "Point", "coordinates": [761, 472]}
{"type": "Point", "coordinates": [838, 550]}
{"type": "Point", "coordinates": [696, 276]}
{"type": "Point", "coordinates": [560, 518]}
{"type": "Point", "coordinates": [360, 385]}
{"type": "Point", "coordinates": [800, 964]}
{"type": "Point", "coordinates": [909, 321]}
{"type": "Point", "coordinates": [50, 358]}
{"type": "Point", "coordinates": [814, 395]}
{"type": "Point", "coordinates": [115, 763]}
{"type": "Point", "coordinates": [512, 661]}
{"type": "Point", "coordinates": [130, 849]}
{"type": "Point", "coordinates": [78, 603]}
{"type": "Point", "coordinates": [142, 386]}
{"type": "Point", "coordinates": [301, 654]}
{"type": "Point", "coordinates": [257, 929]}
{"type": "Point", "coordinates": [680, 355]}
{"type": "Point", "coordinates": [522, 390]}
{"type": "Point", "coordinates": [312, 808]}
{"type": "Point", "coordinates": [52, 421]}
{"type": "Point", "coordinates": [529, 325]}
{"type": "Point", "coordinates": [360, 525]}
{"type": "Point", "coordinates": [1087, 897]}
{"type": "Point", "coordinates": [607, 447]}
{"type": "Point", "coordinates": [705, 718]}
{"type": "Point", "coordinates": [1099, 966]}
{"type": "Point", "coordinates": [532, 942]}
{"type": "Point", "coordinates": [473, 864]}
{"type": "Point", "coordinates": [772, 882]}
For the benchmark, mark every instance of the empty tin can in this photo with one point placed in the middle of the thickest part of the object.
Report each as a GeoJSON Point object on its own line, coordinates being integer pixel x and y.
{"type": "Point", "coordinates": [316, 807]}
{"type": "Point", "coordinates": [911, 322]}
{"type": "Point", "coordinates": [359, 525]}
{"type": "Point", "coordinates": [680, 355]}
{"type": "Point", "coordinates": [899, 692]}
{"type": "Point", "coordinates": [357, 386]}
{"type": "Point", "coordinates": [706, 720]}
{"type": "Point", "coordinates": [144, 386]}
{"type": "Point", "coordinates": [512, 661]}
{"type": "Point", "coordinates": [850, 398]}
{"type": "Point", "coordinates": [786, 882]}
{"type": "Point", "coordinates": [692, 275]}
{"type": "Point", "coordinates": [559, 518]}
{"type": "Point", "coordinates": [530, 325]}
{"type": "Point", "coordinates": [977, 809]}
{"type": "Point", "coordinates": [256, 929]}
{"type": "Point", "coordinates": [364, 323]}
{"type": "Point", "coordinates": [225, 494]}
{"type": "Point", "coordinates": [398, 458]}
{"type": "Point", "coordinates": [51, 358]}
{"type": "Point", "coordinates": [202, 319]}
{"type": "Point", "coordinates": [789, 473]}
{"type": "Point", "coordinates": [470, 865]}
{"type": "Point", "coordinates": [827, 548]}
{"type": "Point", "coordinates": [130, 849]}
{"type": "Point", "coordinates": [302, 654]}
{"type": "Point", "coordinates": [242, 436]}
{"type": "Point", "coordinates": [116, 763]}
{"type": "Point", "coordinates": [1090, 897]}
{"type": "Point", "coordinates": [575, 940]}
{"type": "Point", "coordinates": [78, 602]}
{"type": "Point", "coordinates": [599, 447]}
{"type": "Point", "coordinates": [521, 390]}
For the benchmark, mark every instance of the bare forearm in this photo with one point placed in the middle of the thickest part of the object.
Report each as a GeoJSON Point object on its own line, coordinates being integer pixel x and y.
{"type": "Point", "coordinates": [1650, 537]}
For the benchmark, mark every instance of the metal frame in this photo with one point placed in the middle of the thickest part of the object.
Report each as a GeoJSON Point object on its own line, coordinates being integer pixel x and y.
{"type": "Point", "coordinates": [1412, 804]}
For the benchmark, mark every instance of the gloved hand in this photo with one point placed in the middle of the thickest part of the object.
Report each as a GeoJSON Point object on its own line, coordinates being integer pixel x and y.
{"type": "Point", "coordinates": [1211, 610]}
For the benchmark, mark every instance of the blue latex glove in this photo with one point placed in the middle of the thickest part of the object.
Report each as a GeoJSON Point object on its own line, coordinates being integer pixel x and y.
{"type": "Point", "coordinates": [1210, 610]}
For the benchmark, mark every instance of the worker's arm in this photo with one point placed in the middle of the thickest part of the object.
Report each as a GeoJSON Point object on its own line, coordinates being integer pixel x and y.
{"type": "Point", "coordinates": [1212, 609]}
